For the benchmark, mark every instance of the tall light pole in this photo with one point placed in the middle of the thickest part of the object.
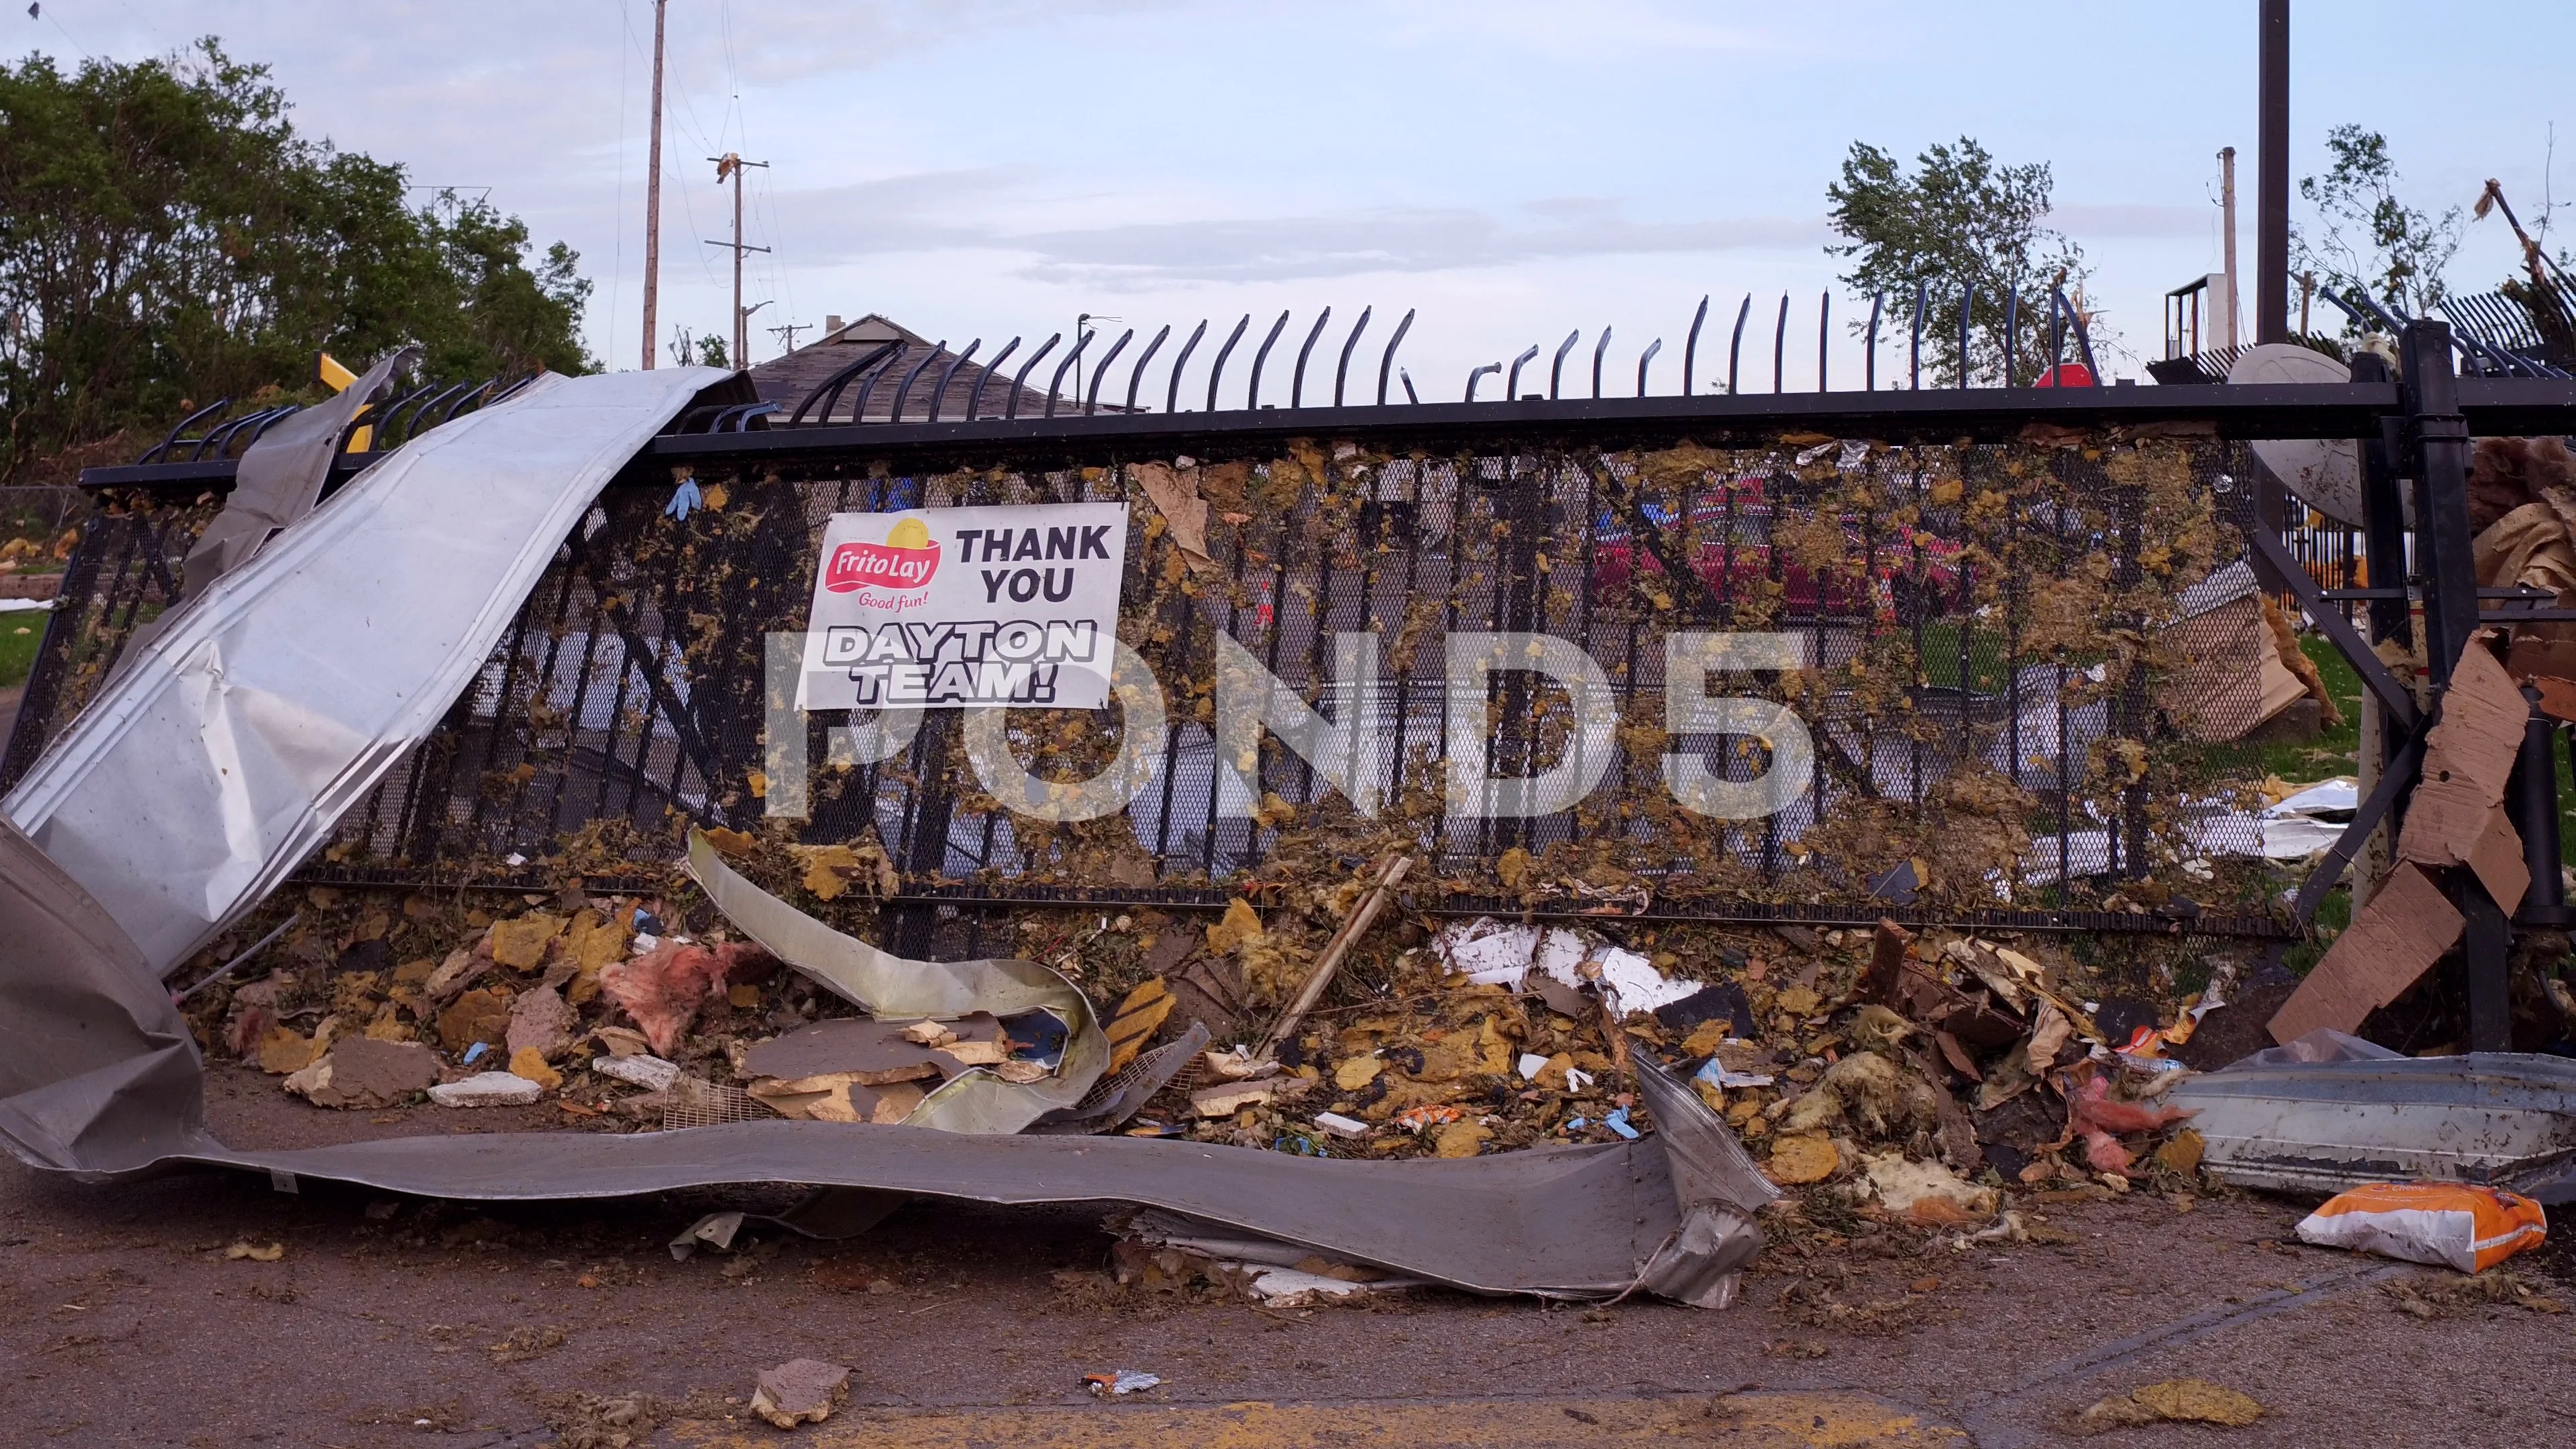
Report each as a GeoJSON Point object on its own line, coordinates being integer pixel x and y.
{"type": "Point", "coordinates": [2272, 178]}
{"type": "Point", "coordinates": [2227, 223]}
{"type": "Point", "coordinates": [653, 197]}
{"type": "Point", "coordinates": [731, 164]}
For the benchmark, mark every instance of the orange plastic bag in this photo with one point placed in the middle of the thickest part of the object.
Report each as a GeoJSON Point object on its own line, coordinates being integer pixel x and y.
{"type": "Point", "coordinates": [2445, 1223]}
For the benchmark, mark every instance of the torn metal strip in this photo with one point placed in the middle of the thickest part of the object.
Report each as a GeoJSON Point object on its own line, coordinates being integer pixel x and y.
{"type": "Point", "coordinates": [974, 1100]}
{"type": "Point", "coordinates": [2497, 1119]}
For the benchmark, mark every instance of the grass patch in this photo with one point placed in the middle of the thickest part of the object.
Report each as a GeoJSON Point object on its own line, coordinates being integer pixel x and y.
{"type": "Point", "coordinates": [2333, 914]}
{"type": "Point", "coordinates": [20, 632]}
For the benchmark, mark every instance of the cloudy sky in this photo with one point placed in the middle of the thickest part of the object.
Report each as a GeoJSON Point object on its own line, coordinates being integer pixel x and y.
{"type": "Point", "coordinates": [1514, 170]}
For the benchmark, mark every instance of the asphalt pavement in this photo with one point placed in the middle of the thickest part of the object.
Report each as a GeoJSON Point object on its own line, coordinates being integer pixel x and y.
{"type": "Point", "coordinates": [127, 1318]}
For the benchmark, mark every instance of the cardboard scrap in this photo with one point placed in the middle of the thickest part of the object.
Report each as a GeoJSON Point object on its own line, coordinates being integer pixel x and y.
{"type": "Point", "coordinates": [2456, 819]}
{"type": "Point", "coordinates": [2285, 647]}
{"type": "Point", "coordinates": [364, 1073]}
{"type": "Point", "coordinates": [2225, 650]}
{"type": "Point", "coordinates": [800, 1391]}
{"type": "Point", "coordinates": [2532, 656]}
{"type": "Point", "coordinates": [2406, 927]}
{"type": "Point", "coordinates": [2498, 863]}
{"type": "Point", "coordinates": [976, 1053]}
{"type": "Point", "coordinates": [1176, 497]}
{"type": "Point", "coordinates": [832, 1097]}
{"type": "Point", "coordinates": [2467, 758]}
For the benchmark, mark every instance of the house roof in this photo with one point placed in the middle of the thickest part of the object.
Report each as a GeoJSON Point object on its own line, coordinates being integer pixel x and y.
{"type": "Point", "coordinates": [789, 380]}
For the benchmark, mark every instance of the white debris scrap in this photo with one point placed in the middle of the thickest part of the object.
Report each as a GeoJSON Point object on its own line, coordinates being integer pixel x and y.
{"type": "Point", "coordinates": [1487, 952]}
{"type": "Point", "coordinates": [487, 1089]}
{"type": "Point", "coordinates": [649, 1072]}
{"type": "Point", "coordinates": [1491, 953]}
{"type": "Point", "coordinates": [1632, 982]}
{"type": "Point", "coordinates": [2295, 827]}
{"type": "Point", "coordinates": [1294, 1288]}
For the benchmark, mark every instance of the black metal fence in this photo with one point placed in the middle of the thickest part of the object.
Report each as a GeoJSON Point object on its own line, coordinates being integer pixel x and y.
{"type": "Point", "coordinates": [1999, 678]}
{"type": "Point", "coordinates": [2019, 621]}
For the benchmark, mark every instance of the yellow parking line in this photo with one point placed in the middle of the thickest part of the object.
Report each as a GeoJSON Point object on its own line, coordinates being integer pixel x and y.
{"type": "Point", "coordinates": [1752, 1420]}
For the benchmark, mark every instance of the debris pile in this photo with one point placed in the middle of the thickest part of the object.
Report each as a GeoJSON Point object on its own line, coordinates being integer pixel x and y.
{"type": "Point", "coordinates": [1916, 1074]}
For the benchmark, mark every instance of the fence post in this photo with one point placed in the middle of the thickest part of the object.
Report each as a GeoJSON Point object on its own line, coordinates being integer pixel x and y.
{"type": "Point", "coordinates": [2384, 550]}
{"type": "Point", "coordinates": [53, 663]}
{"type": "Point", "coordinates": [911, 928]}
{"type": "Point", "coordinates": [2129, 854]}
{"type": "Point", "coordinates": [2438, 439]}
{"type": "Point", "coordinates": [2531, 801]}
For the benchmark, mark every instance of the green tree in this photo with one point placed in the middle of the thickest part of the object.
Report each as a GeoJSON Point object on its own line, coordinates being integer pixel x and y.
{"type": "Point", "coordinates": [2363, 237]}
{"type": "Point", "coordinates": [690, 350]}
{"type": "Point", "coordinates": [1958, 219]}
{"type": "Point", "coordinates": [166, 236]}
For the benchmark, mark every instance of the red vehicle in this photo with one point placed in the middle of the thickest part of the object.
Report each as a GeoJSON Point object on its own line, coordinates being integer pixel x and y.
{"type": "Point", "coordinates": [1906, 580]}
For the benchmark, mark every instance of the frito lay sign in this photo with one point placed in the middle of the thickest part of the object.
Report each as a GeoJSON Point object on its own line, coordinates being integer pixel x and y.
{"type": "Point", "coordinates": [906, 560]}
{"type": "Point", "coordinates": [966, 606]}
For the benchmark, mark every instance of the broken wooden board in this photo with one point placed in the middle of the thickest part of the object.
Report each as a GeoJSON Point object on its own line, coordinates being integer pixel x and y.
{"type": "Point", "coordinates": [2406, 927]}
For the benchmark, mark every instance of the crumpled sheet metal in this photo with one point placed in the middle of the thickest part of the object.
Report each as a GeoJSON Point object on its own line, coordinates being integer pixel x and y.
{"type": "Point", "coordinates": [891, 986]}
{"type": "Point", "coordinates": [2498, 1119]}
{"type": "Point", "coordinates": [221, 758]}
{"type": "Point", "coordinates": [279, 480]}
{"type": "Point", "coordinates": [100, 1078]}
{"type": "Point", "coordinates": [98, 1073]}
{"type": "Point", "coordinates": [281, 477]}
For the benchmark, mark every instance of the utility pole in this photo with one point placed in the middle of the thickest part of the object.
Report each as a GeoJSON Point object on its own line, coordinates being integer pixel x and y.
{"type": "Point", "coordinates": [731, 164]}
{"type": "Point", "coordinates": [786, 334]}
{"type": "Point", "coordinates": [2272, 179]}
{"type": "Point", "coordinates": [2227, 224]}
{"type": "Point", "coordinates": [653, 199]}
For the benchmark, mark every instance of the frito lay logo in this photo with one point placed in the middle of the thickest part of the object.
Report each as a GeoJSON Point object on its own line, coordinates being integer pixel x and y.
{"type": "Point", "coordinates": [906, 560]}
